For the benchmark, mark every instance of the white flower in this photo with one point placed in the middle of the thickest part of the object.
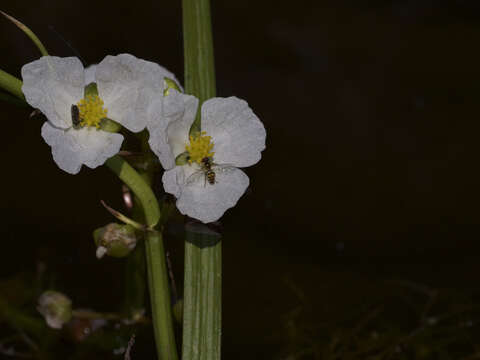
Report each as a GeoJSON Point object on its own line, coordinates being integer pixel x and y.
{"type": "Point", "coordinates": [127, 87]}
{"type": "Point", "coordinates": [232, 137]}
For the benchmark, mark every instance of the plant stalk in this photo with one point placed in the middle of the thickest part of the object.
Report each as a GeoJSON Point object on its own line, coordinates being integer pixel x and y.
{"type": "Point", "coordinates": [202, 315]}
{"type": "Point", "coordinates": [11, 84]}
{"type": "Point", "coordinates": [198, 53]}
{"type": "Point", "coordinates": [155, 254]}
{"type": "Point", "coordinates": [202, 304]}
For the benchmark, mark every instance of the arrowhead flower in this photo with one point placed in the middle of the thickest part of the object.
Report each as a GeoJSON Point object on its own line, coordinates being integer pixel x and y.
{"type": "Point", "coordinates": [127, 87]}
{"type": "Point", "coordinates": [202, 171]}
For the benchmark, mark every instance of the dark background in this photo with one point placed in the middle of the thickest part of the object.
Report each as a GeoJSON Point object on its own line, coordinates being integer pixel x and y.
{"type": "Point", "coordinates": [370, 172]}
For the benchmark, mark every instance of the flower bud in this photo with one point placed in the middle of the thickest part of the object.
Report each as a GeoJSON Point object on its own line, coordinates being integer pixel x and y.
{"type": "Point", "coordinates": [55, 307]}
{"type": "Point", "coordinates": [115, 240]}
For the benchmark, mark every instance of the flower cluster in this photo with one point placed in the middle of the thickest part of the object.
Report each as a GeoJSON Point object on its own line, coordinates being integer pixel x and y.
{"type": "Point", "coordinates": [201, 167]}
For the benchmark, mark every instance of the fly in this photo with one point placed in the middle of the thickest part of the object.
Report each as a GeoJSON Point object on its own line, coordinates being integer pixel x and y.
{"type": "Point", "coordinates": [209, 170]}
{"type": "Point", "coordinates": [75, 117]}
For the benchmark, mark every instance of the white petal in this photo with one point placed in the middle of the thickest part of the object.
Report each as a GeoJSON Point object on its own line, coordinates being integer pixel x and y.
{"type": "Point", "coordinates": [52, 84]}
{"type": "Point", "coordinates": [201, 200]}
{"type": "Point", "coordinates": [174, 114]}
{"type": "Point", "coordinates": [173, 179]}
{"type": "Point", "coordinates": [238, 134]}
{"type": "Point", "coordinates": [90, 74]}
{"type": "Point", "coordinates": [71, 148]}
{"type": "Point", "coordinates": [128, 87]}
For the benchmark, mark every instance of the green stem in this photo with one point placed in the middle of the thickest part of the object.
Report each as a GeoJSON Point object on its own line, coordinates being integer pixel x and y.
{"type": "Point", "coordinates": [28, 32]}
{"type": "Point", "coordinates": [202, 318]}
{"type": "Point", "coordinates": [198, 53]}
{"type": "Point", "coordinates": [155, 254]}
{"type": "Point", "coordinates": [135, 281]}
{"type": "Point", "coordinates": [13, 100]}
{"type": "Point", "coordinates": [11, 84]}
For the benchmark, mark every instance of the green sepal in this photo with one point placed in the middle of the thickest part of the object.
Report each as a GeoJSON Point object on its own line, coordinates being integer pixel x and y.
{"type": "Point", "coordinates": [182, 159]}
{"type": "Point", "coordinates": [110, 125]}
{"type": "Point", "coordinates": [195, 130]}
{"type": "Point", "coordinates": [90, 90]}
{"type": "Point", "coordinates": [170, 84]}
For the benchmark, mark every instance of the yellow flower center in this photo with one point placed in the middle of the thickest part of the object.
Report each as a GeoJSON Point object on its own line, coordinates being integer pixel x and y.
{"type": "Point", "coordinates": [200, 147]}
{"type": "Point", "coordinates": [91, 111]}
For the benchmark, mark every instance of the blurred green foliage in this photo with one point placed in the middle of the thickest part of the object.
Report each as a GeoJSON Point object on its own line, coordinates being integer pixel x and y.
{"type": "Point", "coordinates": [398, 320]}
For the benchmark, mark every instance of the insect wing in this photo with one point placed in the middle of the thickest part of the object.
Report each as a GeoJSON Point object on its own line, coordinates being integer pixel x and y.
{"type": "Point", "coordinates": [222, 169]}
{"type": "Point", "coordinates": [197, 175]}
{"type": "Point", "coordinates": [225, 168]}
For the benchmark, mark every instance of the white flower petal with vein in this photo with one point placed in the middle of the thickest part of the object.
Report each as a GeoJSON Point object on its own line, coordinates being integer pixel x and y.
{"type": "Point", "coordinates": [52, 84]}
{"type": "Point", "coordinates": [129, 86]}
{"type": "Point", "coordinates": [71, 148]}
{"type": "Point", "coordinates": [169, 129]}
{"type": "Point", "coordinates": [238, 134]}
{"type": "Point", "coordinates": [203, 201]}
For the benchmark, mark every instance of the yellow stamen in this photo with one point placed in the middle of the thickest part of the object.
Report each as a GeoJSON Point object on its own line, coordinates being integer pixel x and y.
{"type": "Point", "coordinates": [200, 147]}
{"type": "Point", "coordinates": [91, 111]}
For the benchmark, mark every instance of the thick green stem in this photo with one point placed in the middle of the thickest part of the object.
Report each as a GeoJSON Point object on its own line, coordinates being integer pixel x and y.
{"type": "Point", "coordinates": [136, 262]}
{"type": "Point", "coordinates": [156, 263]}
{"type": "Point", "coordinates": [198, 52]}
{"type": "Point", "coordinates": [202, 304]}
{"type": "Point", "coordinates": [11, 84]}
{"type": "Point", "coordinates": [202, 315]}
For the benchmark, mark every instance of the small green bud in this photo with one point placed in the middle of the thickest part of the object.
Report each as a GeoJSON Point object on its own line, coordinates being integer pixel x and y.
{"type": "Point", "coordinates": [115, 240]}
{"type": "Point", "coordinates": [170, 84]}
{"type": "Point", "coordinates": [55, 307]}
